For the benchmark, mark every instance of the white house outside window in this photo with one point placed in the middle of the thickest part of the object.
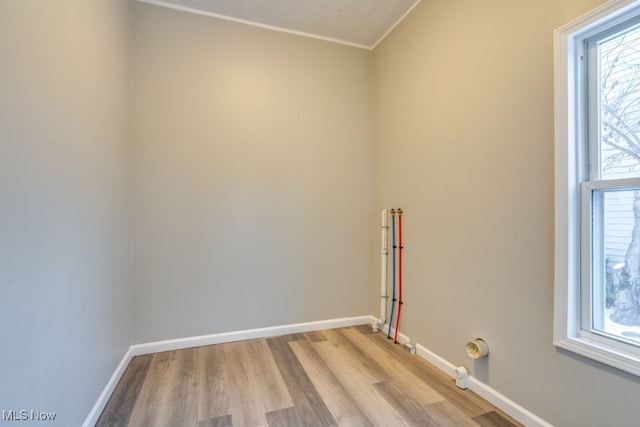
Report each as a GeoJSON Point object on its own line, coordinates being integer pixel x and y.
{"type": "Point", "coordinates": [597, 289]}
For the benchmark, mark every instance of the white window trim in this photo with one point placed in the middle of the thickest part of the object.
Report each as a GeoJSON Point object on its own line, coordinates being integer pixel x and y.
{"type": "Point", "coordinates": [569, 126]}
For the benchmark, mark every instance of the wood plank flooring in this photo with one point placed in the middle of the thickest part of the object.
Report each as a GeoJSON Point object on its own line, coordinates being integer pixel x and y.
{"type": "Point", "coordinates": [338, 377]}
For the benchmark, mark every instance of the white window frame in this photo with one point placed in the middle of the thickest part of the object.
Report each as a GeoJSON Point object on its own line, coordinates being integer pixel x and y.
{"type": "Point", "coordinates": [571, 332]}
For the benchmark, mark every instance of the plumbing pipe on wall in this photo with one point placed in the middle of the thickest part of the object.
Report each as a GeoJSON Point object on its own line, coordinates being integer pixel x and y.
{"type": "Point", "coordinates": [383, 273]}
{"type": "Point", "coordinates": [400, 247]}
{"type": "Point", "coordinates": [393, 270]}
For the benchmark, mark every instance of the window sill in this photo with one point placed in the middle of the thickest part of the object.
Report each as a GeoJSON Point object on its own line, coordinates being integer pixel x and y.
{"type": "Point", "coordinates": [601, 353]}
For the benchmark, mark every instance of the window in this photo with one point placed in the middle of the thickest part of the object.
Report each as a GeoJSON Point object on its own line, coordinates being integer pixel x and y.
{"type": "Point", "coordinates": [597, 106]}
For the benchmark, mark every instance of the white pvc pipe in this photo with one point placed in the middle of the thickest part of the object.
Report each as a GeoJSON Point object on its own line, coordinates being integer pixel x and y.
{"type": "Point", "coordinates": [383, 273]}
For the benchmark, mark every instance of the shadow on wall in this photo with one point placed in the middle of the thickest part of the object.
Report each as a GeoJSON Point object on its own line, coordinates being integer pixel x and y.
{"type": "Point", "coordinates": [481, 369]}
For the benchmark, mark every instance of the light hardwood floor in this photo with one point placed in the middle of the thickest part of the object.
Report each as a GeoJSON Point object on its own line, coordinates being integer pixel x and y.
{"type": "Point", "coordinates": [338, 377]}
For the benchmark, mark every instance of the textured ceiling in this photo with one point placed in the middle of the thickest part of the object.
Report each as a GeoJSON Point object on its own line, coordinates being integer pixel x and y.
{"type": "Point", "coordinates": [358, 22]}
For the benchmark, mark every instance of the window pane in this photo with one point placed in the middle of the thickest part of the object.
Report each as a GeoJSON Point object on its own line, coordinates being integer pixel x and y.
{"type": "Point", "coordinates": [616, 263]}
{"type": "Point", "coordinates": [619, 63]}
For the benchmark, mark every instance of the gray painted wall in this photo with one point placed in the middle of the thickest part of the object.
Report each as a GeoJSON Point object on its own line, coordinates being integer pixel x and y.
{"type": "Point", "coordinates": [463, 142]}
{"type": "Point", "coordinates": [65, 321]}
{"type": "Point", "coordinates": [253, 191]}
{"type": "Point", "coordinates": [252, 176]}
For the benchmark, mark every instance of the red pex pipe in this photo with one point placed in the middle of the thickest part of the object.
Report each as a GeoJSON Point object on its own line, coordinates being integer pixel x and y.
{"type": "Point", "coordinates": [399, 212]}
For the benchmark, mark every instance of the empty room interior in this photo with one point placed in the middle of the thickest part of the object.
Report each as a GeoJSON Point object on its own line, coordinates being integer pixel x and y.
{"type": "Point", "coordinates": [172, 177]}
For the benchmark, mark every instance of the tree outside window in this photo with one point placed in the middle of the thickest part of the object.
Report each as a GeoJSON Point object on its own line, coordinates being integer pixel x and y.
{"type": "Point", "coordinates": [619, 75]}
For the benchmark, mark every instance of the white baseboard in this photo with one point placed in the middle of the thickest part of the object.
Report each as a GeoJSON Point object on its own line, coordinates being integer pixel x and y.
{"type": "Point", "coordinates": [178, 344]}
{"type": "Point", "coordinates": [487, 393]}
{"type": "Point", "coordinates": [97, 409]}
{"type": "Point", "coordinates": [437, 361]}
{"type": "Point", "coordinates": [481, 389]}
{"type": "Point", "coordinates": [402, 338]}
{"type": "Point", "coordinates": [505, 404]}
